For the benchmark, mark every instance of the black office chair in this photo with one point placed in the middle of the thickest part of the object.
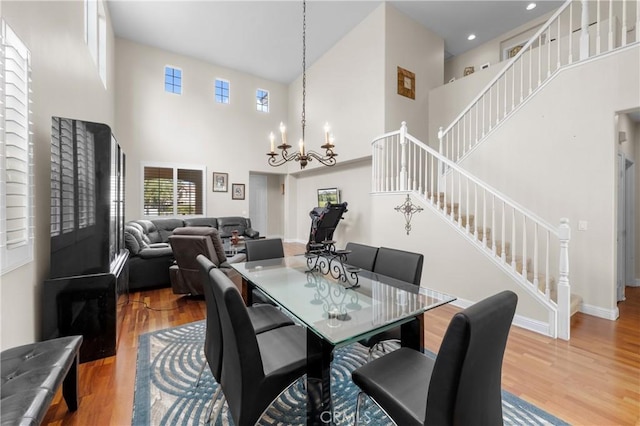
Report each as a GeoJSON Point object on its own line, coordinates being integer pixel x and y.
{"type": "Point", "coordinates": [461, 385]}
{"type": "Point", "coordinates": [362, 256]}
{"type": "Point", "coordinates": [270, 248]}
{"type": "Point", "coordinates": [256, 368]}
{"type": "Point", "coordinates": [262, 317]}
{"type": "Point", "coordinates": [401, 265]}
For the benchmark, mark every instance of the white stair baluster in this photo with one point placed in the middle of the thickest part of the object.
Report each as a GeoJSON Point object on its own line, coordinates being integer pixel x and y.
{"type": "Point", "coordinates": [598, 25]}
{"type": "Point", "coordinates": [624, 23]}
{"type": "Point", "coordinates": [584, 30]}
{"type": "Point", "coordinates": [493, 224]}
{"type": "Point", "coordinates": [524, 247]}
{"type": "Point", "coordinates": [611, 25]}
{"type": "Point", "coordinates": [503, 236]}
{"type": "Point", "coordinates": [535, 255]}
{"type": "Point", "coordinates": [513, 238]}
{"type": "Point", "coordinates": [570, 33]}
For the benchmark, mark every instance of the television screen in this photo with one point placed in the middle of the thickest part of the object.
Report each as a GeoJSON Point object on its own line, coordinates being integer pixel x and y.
{"type": "Point", "coordinates": [328, 195]}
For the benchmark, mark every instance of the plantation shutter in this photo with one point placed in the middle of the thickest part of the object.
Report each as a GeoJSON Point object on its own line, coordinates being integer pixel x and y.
{"type": "Point", "coordinates": [16, 153]}
{"type": "Point", "coordinates": [158, 191]}
{"type": "Point", "coordinates": [189, 198]}
{"type": "Point", "coordinates": [170, 190]}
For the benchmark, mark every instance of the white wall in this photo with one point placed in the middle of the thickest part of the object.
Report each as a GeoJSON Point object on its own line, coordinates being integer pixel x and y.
{"type": "Point", "coordinates": [353, 180]}
{"type": "Point", "coordinates": [491, 51]}
{"type": "Point", "coordinates": [413, 47]}
{"type": "Point", "coordinates": [65, 82]}
{"type": "Point", "coordinates": [345, 87]}
{"type": "Point", "coordinates": [192, 129]}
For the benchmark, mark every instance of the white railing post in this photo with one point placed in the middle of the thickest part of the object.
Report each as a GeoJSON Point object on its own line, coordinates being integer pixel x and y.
{"type": "Point", "coordinates": [403, 156]}
{"type": "Point", "coordinates": [441, 152]}
{"type": "Point", "coordinates": [584, 32]}
{"type": "Point", "coordinates": [564, 289]}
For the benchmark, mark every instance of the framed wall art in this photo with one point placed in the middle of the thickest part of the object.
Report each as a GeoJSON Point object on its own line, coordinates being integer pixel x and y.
{"type": "Point", "coordinates": [237, 191]}
{"type": "Point", "coordinates": [220, 182]}
{"type": "Point", "coordinates": [406, 83]}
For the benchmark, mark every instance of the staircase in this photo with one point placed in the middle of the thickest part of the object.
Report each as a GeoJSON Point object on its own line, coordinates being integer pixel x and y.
{"type": "Point", "coordinates": [533, 252]}
{"type": "Point", "coordinates": [523, 245]}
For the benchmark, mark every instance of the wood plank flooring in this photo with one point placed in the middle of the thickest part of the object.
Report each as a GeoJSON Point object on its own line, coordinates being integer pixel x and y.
{"type": "Point", "coordinates": [592, 380]}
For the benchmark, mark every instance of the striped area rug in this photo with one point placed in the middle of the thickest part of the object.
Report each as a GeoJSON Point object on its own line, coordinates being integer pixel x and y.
{"type": "Point", "coordinates": [169, 362]}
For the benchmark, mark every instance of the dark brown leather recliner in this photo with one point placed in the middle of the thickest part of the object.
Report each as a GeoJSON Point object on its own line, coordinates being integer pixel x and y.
{"type": "Point", "coordinates": [187, 243]}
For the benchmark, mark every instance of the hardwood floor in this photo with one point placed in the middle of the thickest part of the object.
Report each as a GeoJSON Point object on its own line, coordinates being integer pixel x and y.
{"type": "Point", "coordinates": [594, 379]}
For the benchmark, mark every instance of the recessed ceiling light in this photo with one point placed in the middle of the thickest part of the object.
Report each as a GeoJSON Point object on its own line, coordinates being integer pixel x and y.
{"type": "Point", "coordinates": [471, 37]}
{"type": "Point", "coordinates": [531, 6]}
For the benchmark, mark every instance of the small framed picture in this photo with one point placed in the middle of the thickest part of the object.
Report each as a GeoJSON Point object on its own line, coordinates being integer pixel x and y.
{"type": "Point", "coordinates": [237, 191]}
{"type": "Point", "coordinates": [220, 182]}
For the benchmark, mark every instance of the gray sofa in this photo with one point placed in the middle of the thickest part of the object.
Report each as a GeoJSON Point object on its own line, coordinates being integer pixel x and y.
{"type": "Point", "coordinates": [150, 255]}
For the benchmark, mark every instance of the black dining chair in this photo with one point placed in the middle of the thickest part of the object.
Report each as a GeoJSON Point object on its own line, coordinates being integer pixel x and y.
{"type": "Point", "coordinates": [401, 265]}
{"type": "Point", "coordinates": [256, 368]}
{"type": "Point", "coordinates": [268, 248]}
{"type": "Point", "coordinates": [361, 256]}
{"type": "Point", "coordinates": [262, 317]}
{"type": "Point", "coordinates": [460, 385]}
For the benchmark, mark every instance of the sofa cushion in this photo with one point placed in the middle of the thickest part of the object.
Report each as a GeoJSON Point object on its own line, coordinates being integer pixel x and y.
{"type": "Point", "coordinates": [149, 231]}
{"type": "Point", "coordinates": [130, 241]}
{"type": "Point", "coordinates": [136, 231]}
{"type": "Point", "coordinates": [149, 253]}
{"type": "Point", "coordinates": [210, 222]}
{"type": "Point", "coordinates": [165, 227]}
{"type": "Point", "coordinates": [231, 223]}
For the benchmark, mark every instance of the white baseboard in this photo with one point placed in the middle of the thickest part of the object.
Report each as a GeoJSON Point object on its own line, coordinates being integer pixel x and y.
{"type": "Point", "coordinates": [636, 283]}
{"type": "Point", "coordinates": [536, 326]}
{"type": "Point", "coordinates": [294, 240]}
{"type": "Point", "coordinates": [597, 311]}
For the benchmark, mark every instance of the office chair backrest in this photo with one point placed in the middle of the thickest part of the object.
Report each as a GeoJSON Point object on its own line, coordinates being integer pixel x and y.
{"type": "Point", "coordinates": [242, 368]}
{"type": "Point", "coordinates": [399, 264]}
{"type": "Point", "coordinates": [270, 248]}
{"type": "Point", "coordinates": [362, 256]}
{"type": "Point", "coordinates": [465, 386]}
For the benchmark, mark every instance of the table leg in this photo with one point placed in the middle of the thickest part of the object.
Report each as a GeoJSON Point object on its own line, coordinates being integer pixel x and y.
{"type": "Point", "coordinates": [412, 333]}
{"type": "Point", "coordinates": [319, 407]}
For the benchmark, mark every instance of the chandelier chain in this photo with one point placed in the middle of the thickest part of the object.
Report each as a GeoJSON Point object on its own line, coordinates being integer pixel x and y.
{"type": "Point", "coordinates": [304, 65]}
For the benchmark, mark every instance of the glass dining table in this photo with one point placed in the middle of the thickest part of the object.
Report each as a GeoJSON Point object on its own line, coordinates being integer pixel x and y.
{"type": "Point", "coordinates": [338, 305]}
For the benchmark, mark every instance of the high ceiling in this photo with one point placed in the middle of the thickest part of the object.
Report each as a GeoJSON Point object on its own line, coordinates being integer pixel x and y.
{"type": "Point", "coordinates": [264, 38]}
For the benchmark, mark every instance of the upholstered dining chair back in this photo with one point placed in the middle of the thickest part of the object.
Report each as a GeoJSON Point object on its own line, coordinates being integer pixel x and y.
{"type": "Point", "coordinates": [461, 385]}
{"type": "Point", "coordinates": [465, 386]}
{"type": "Point", "coordinates": [256, 368]}
{"type": "Point", "coordinates": [269, 248]}
{"type": "Point", "coordinates": [213, 333]}
{"type": "Point", "coordinates": [399, 264]}
{"type": "Point", "coordinates": [362, 256]}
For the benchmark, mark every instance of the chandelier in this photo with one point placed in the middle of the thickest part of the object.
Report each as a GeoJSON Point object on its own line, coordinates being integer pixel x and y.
{"type": "Point", "coordinates": [302, 155]}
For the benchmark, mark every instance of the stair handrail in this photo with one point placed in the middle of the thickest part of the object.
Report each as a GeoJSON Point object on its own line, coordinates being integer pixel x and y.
{"type": "Point", "coordinates": [504, 70]}
{"type": "Point", "coordinates": [455, 166]}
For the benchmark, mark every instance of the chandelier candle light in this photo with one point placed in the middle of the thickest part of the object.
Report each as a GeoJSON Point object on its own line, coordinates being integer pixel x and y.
{"type": "Point", "coordinates": [303, 156]}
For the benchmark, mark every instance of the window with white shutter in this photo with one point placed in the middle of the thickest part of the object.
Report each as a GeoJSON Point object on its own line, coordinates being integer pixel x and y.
{"type": "Point", "coordinates": [171, 190]}
{"type": "Point", "coordinates": [16, 153]}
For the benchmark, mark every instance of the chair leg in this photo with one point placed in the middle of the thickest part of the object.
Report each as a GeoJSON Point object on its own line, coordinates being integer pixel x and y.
{"type": "Point", "coordinates": [358, 406]}
{"type": "Point", "coordinates": [209, 414]}
{"type": "Point", "coordinates": [204, 364]}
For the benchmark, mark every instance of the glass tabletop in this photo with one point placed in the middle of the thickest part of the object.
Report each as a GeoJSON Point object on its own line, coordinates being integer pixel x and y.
{"type": "Point", "coordinates": [334, 310]}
